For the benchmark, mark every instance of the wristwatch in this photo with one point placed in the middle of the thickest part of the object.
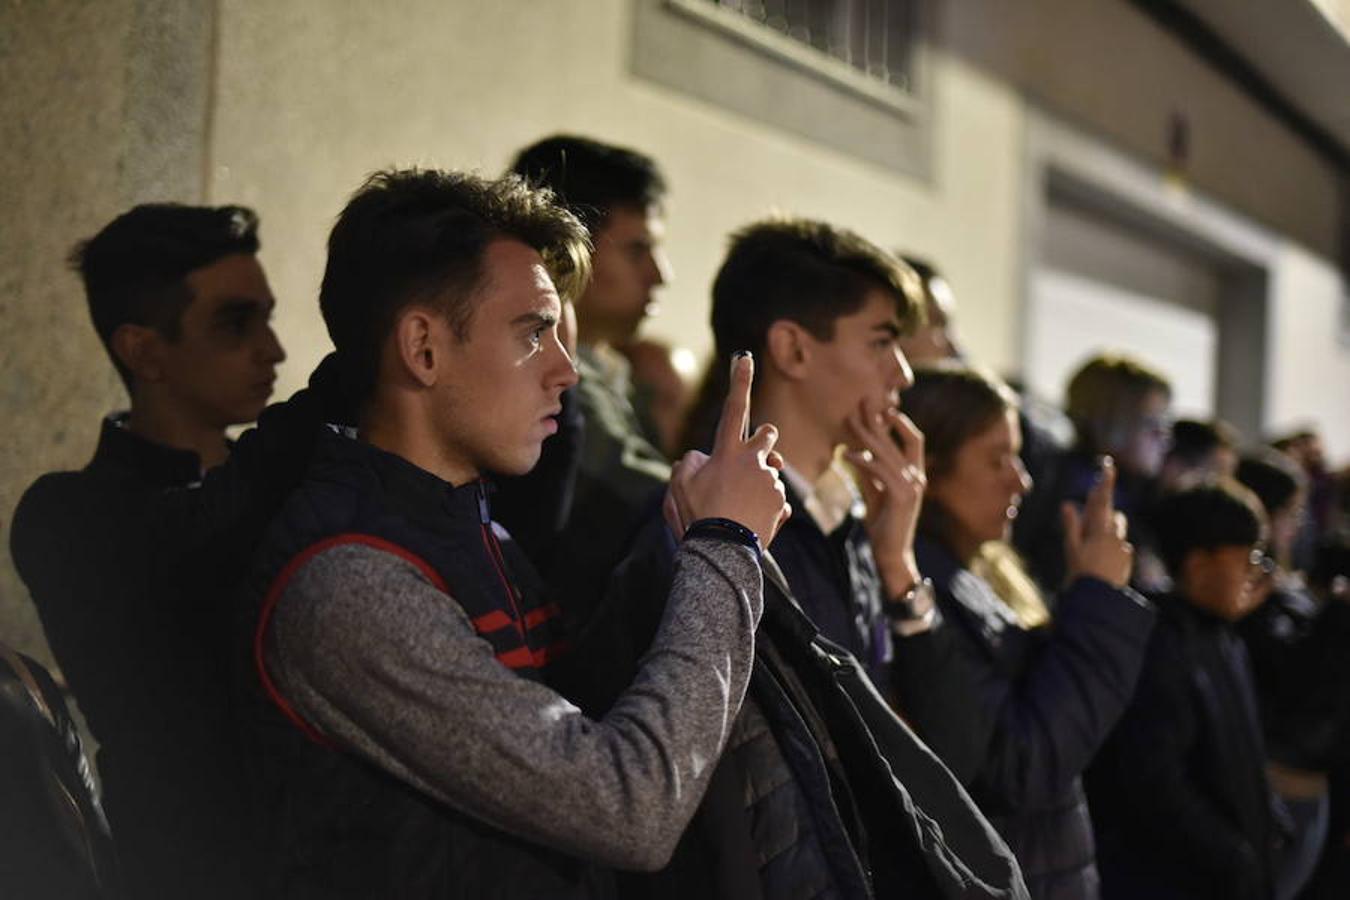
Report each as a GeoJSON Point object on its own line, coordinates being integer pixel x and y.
{"type": "Point", "coordinates": [913, 610]}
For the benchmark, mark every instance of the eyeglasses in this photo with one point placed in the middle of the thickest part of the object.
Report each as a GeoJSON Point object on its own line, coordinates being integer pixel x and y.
{"type": "Point", "coordinates": [1262, 564]}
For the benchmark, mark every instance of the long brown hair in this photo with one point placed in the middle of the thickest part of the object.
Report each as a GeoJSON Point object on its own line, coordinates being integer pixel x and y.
{"type": "Point", "coordinates": [951, 403]}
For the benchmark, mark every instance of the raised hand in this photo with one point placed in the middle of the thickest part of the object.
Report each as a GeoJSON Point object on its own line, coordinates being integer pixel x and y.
{"type": "Point", "coordinates": [739, 480]}
{"type": "Point", "coordinates": [887, 451]}
{"type": "Point", "coordinates": [1094, 539]}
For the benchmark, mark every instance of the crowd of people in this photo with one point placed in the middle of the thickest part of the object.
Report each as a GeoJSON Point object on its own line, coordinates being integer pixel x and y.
{"type": "Point", "coordinates": [498, 606]}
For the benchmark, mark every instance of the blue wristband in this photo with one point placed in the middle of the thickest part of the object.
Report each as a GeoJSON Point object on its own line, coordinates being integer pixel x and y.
{"type": "Point", "coordinates": [723, 530]}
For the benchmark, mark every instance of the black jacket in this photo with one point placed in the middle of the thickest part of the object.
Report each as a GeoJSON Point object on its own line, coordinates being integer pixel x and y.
{"type": "Point", "coordinates": [1300, 653]}
{"type": "Point", "coordinates": [1049, 697]}
{"type": "Point", "coordinates": [822, 791]}
{"type": "Point", "coordinates": [139, 642]}
{"type": "Point", "coordinates": [1179, 793]}
{"type": "Point", "coordinates": [925, 677]}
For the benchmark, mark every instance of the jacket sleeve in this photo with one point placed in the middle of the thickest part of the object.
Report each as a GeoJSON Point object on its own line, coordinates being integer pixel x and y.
{"type": "Point", "coordinates": [933, 682]}
{"type": "Point", "coordinates": [1048, 721]}
{"type": "Point", "coordinates": [417, 692]}
{"type": "Point", "coordinates": [1144, 769]}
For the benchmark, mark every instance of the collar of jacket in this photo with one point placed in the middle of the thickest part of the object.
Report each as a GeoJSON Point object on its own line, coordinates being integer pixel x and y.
{"type": "Point", "coordinates": [425, 499]}
{"type": "Point", "coordinates": [951, 579]}
{"type": "Point", "coordinates": [155, 464]}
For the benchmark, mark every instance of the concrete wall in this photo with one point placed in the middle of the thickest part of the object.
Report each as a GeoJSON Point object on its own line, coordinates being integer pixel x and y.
{"type": "Point", "coordinates": [315, 96]}
{"type": "Point", "coordinates": [104, 105]}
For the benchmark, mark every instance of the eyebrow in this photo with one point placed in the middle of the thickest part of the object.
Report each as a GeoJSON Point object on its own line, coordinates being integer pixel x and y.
{"type": "Point", "coordinates": [546, 320]}
{"type": "Point", "coordinates": [233, 305]}
{"type": "Point", "coordinates": [889, 328]}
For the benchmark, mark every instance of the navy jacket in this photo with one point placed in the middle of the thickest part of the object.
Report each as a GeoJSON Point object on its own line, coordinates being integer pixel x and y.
{"type": "Point", "coordinates": [925, 677]}
{"type": "Point", "coordinates": [1049, 697]}
{"type": "Point", "coordinates": [1179, 793]}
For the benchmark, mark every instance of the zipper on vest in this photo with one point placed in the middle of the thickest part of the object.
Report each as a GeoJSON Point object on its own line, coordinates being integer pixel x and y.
{"type": "Point", "coordinates": [499, 561]}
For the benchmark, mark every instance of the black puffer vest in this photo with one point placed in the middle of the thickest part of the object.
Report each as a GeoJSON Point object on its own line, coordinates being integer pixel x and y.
{"type": "Point", "coordinates": [331, 824]}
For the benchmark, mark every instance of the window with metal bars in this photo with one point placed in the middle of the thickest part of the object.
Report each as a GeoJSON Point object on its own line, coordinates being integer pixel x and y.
{"type": "Point", "coordinates": [852, 75]}
{"type": "Point", "coordinates": [851, 40]}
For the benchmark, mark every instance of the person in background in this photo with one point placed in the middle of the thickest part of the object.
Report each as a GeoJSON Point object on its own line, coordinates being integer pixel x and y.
{"type": "Point", "coordinates": [1048, 688]}
{"type": "Point", "coordinates": [182, 305]}
{"type": "Point", "coordinates": [1298, 648]}
{"type": "Point", "coordinates": [1305, 448]}
{"type": "Point", "coordinates": [1200, 452]}
{"type": "Point", "coordinates": [933, 337]}
{"type": "Point", "coordinates": [619, 195]}
{"type": "Point", "coordinates": [1179, 793]}
{"type": "Point", "coordinates": [662, 392]}
{"type": "Point", "coordinates": [823, 309]}
{"type": "Point", "coordinates": [1120, 408]}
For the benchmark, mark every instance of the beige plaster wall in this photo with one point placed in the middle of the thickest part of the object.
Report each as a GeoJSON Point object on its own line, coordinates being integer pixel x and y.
{"type": "Point", "coordinates": [313, 95]}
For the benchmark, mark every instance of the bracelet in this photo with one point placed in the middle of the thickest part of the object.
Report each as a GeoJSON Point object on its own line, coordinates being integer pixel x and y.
{"type": "Point", "coordinates": [914, 604]}
{"type": "Point", "coordinates": [723, 530]}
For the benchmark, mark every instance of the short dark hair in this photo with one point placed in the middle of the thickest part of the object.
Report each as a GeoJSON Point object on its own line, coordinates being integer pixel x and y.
{"type": "Point", "coordinates": [591, 178]}
{"type": "Point", "coordinates": [415, 235]}
{"type": "Point", "coordinates": [134, 270]}
{"type": "Point", "coordinates": [803, 270]}
{"type": "Point", "coordinates": [1193, 440]}
{"type": "Point", "coordinates": [806, 271]}
{"type": "Point", "coordinates": [1206, 517]}
{"type": "Point", "coordinates": [1273, 477]}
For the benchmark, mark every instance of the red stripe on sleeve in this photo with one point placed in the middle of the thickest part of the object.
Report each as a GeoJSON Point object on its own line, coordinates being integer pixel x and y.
{"type": "Point", "coordinates": [278, 588]}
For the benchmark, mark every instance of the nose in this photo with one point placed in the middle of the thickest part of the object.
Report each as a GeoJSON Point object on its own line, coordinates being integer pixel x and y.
{"type": "Point", "coordinates": [904, 374]}
{"type": "Point", "coordinates": [659, 270]}
{"type": "Point", "coordinates": [272, 352]}
{"type": "Point", "coordinates": [562, 371]}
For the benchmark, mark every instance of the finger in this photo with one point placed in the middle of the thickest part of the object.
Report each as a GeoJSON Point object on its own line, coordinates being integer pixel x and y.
{"type": "Point", "coordinates": [735, 421]}
{"type": "Point", "coordinates": [1073, 530]}
{"type": "Point", "coordinates": [911, 438]}
{"type": "Point", "coordinates": [873, 436]}
{"type": "Point", "coordinates": [671, 513]}
{"type": "Point", "coordinates": [1100, 505]}
{"type": "Point", "coordinates": [1121, 524]}
{"type": "Point", "coordinates": [763, 439]}
{"type": "Point", "coordinates": [869, 480]}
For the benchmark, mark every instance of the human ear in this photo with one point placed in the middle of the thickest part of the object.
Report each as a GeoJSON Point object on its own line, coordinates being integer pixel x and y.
{"type": "Point", "coordinates": [788, 348]}
{"type": "Point", "coordinates": [417, 346]}
{"type": "Point", "coordinates": [137, 348]}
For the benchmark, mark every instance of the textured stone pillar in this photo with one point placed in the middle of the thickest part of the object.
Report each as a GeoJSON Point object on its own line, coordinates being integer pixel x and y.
{"type": "Point", "coordinates": [105, 104]}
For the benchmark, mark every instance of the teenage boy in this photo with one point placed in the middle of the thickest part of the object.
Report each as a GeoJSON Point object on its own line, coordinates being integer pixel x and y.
{"type": "Point", "coordinates": [1178, 793]}
{"type": "Point", "coordinates": [618, 195]}
{"type": "Point", "coordinates": [824, 308]}
{"type": "Point", "coordinates": [182, 306]}
{"type": "Point", "coordinates": [403, 739]}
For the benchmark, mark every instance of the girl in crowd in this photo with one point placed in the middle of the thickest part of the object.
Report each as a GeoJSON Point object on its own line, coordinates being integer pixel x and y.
{"type": "Point", "coordinates": [1050, 687]}
{"type": "Point", "coordinates": [1119, 408]}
